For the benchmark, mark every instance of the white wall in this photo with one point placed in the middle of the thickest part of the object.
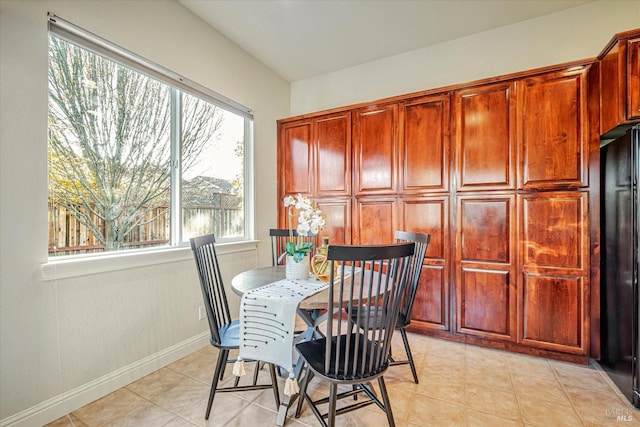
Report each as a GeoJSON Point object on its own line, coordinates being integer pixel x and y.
{"type": "Point", "coordinates": [85, 335]}
{"type": "Point", "coordinates": [573, 34]}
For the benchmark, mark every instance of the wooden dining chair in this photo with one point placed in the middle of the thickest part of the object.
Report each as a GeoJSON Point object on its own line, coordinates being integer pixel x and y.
{"type": "Point", "coordinates": [225, 332]}
{"type": "Point", "coordinates": [406, 302]}
{"type": "Point", "coordinates": [279, 238]}
{"type": "Point", "coordinates": [355, 350]}
{"type": "Point", "coordinates": [408, 296]}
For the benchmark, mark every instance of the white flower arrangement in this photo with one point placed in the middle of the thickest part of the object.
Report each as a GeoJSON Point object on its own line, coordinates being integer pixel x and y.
{"type": "Point", "coordinates": [310, 221]}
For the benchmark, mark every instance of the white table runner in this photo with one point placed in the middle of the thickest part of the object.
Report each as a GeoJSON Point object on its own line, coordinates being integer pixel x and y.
{"type": "Point", "coordinates": [267, 323]}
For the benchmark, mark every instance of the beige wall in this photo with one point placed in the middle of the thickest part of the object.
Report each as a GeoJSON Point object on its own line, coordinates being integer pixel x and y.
{"type": "Point", "coordinates": [573, 34]}
{"type": "Point", "coordinates": [86, 335]}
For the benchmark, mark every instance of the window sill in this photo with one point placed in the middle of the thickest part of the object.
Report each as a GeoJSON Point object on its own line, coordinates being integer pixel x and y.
{"type": "Point", "coordinates": [74, 267]}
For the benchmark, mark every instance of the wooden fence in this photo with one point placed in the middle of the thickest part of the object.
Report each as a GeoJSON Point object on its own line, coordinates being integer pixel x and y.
{"type": "Point", "coordinates": [67, 235]}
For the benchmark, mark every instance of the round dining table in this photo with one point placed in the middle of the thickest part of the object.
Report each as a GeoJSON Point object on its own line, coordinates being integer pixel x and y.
{"type": "Point", "coordinates": [256, 278]}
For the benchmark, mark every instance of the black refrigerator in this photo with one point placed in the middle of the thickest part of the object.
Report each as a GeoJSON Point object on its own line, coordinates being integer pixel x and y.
{"type": "Point", "coordinates": [620, 219]}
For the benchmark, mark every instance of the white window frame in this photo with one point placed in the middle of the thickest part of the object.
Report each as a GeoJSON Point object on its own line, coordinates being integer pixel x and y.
{"type": "Point", "coordinates": [81, 264]}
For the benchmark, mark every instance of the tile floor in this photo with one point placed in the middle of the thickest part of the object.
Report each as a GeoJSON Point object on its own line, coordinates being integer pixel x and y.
{"type": "Point", "coordinates": [460, 385]}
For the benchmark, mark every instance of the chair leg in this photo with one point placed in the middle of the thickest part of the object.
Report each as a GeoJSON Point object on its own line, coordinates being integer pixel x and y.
{"type": "Point", "coordinates": [387, 403]}
{"type": "Point", "coordinates": [226, 358]}
{"type": "Point", "coordinates": [405, 340]}
{"type": "Point", "coordinates": [274, 383]}
{"type": "Point", "coordinates": [333, 401]}
{"type": "Point", "coordinates": [220, 364]}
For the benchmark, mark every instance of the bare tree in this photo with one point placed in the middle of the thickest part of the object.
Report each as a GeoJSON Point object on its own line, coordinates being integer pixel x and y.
{"type": "Point", "coordinates": [109, 141]}
{"type": "Point", "coordinates": [238, 181]}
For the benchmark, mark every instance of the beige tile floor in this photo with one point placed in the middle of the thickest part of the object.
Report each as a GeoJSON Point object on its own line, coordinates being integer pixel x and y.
{"type": "Point", "coordinates": [460, 385]}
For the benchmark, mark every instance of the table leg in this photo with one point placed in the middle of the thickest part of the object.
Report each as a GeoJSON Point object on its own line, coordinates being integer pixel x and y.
{"type": "Point", "coordinates": [283, 409]}
{"type": "Point", "coordinates": [312, 318]}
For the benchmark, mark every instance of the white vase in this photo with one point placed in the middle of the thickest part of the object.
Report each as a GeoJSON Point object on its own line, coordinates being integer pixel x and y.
{"type": "Point", "coordinates": [297, 270]}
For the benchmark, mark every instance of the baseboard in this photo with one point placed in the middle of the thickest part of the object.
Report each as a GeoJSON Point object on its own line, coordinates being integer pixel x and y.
{"type": "Point", "coordinates": [56, 407]}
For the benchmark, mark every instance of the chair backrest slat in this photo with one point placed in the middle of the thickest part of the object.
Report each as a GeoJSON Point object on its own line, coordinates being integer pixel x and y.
{"type": "Point", "coordinates": [373, 276]}
{"type": "Point", "coordinates": [213, 293]}
{"type": "Point", "coordinates": [421, 241]}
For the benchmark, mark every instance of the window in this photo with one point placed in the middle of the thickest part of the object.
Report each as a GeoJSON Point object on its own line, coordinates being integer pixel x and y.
{"type": "Point", "coordinates": [138, 157]}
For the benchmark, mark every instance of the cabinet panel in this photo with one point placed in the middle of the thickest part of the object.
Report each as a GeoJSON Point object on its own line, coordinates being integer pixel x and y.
{"type": "Point", "coordinates": [633, 79]}
{"type": "Point", "coordinates": [485, 227]}
{"type": "Point", "coordinates": [554, 279]}
{"type": "Point", "coordinates": [337, 220]}
{"type": "Point", "coordinates": [485, 134]}
{"type": "Point", "coordinates": [333, 155]}
{"type": "Point", "coordinates": [553, 309]}
{"type": "Point", "coordinates": [486, 282]}
{"type": "Point", "coordinates": [555, 229]}
{"type": "Point", "coordinates": [295, 159]}
{"type": "Point", "coordinates": [424, 144]}
{"type": "Point", "coordinates": [486, 303]}
{"type": "Point", "coordinates": [430, 214]}
{"type": "Point", "coordinates": [553, 131]}
{"type": "Point", "coordinates": [612, 89]}
{"type": "Point", "coordinates": [375, 147]}
{"type": "Point", "coordinates": [431, 305]}
{"type": "Point", "coordinates": [374, 221]}
{"type": "Point", "coordinates": [620, 82]}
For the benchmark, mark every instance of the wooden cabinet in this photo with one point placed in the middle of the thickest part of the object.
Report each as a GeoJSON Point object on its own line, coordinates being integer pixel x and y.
{"type": "Point", "coordinates": [620, 81]}
{"type": "Point", "coordinates": [485, 136]}
{"type": "Point", "coordinates": [553, 287]}
{"type": "Point", "coordinates": [430, 214]}
{"type": "Point", "coordinates": [424, 144]}
{"type": "Point", "coordinates": [485, 255]}
{"type": "Point", "coordinates": [375, 149]}
{"type": "Point", "coordinates": [553, 132]}
{"type": "Point", "coordinates": [314, 156]}
{"type": "Point", "coordinates": [314, 159]}
{"type": "Point", "coordinates": [497, 172]}
{"type": "Point", "coordinates": [517, 143]}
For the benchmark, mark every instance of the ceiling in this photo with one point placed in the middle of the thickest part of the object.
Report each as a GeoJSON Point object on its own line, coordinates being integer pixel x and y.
{"type": "Point", "coordinates": [299, 39]}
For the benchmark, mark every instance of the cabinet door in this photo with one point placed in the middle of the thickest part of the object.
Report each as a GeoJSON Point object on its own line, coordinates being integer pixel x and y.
{"type": "Point", "coordinates": [374, 220]}
{"type": "Point", "coordinates": [295, 158]}
{"type": "Point", "coordinates": [633, 80]}
{"type": "Point", "coordinates": [485, 259]}
{"type": "Point", "coordinates": [611, 89]}
{"type": "Point", "coordinates": [333, 155]}
{"type": "Point", "coordinates": [485, 135]}
{"type": "Point", "coordinates": [424, 144]}
{"type": "Point", "coordinates": [430, 215]}
{"type": "Point", "coordinates": [554, 284]}
{"type": "Point", "coordinates": [375, 142]}
{"type": "Point", "coordinates": [553, 139]}
{"type": "Point", "coordinates": [337, 220]}
{"type": "Point", "coordinates": [555, 230]}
